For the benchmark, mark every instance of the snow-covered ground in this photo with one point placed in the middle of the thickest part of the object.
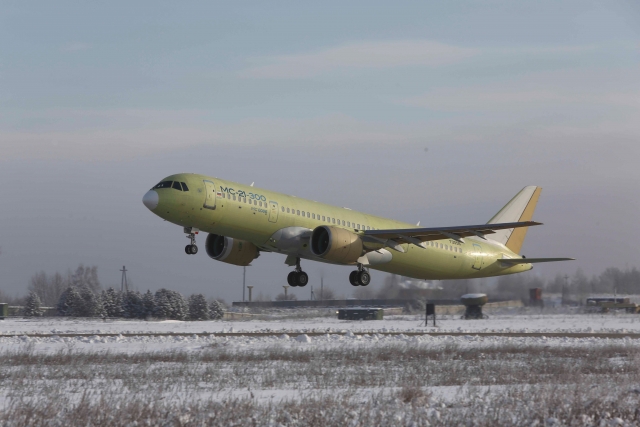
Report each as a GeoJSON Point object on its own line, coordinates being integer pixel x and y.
{"type": "Point", "coordinates": [292, 332]}
{"type": "Point", "coordinates": [408, 376]}
{"type": "Point", "coordinates": [611, 322]}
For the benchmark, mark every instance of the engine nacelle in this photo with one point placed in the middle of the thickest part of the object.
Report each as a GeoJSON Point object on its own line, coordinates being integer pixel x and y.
{"type": "Point", "coordinates": [336, 244]}
{"type": "Point", "coordinates": [231, 251]}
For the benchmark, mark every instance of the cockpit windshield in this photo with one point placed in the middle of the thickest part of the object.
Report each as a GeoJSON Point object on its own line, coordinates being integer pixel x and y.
{"type": "Point", "coordinates": [176, 185]}
{"type": "Point", "coordinates": [164, 184]}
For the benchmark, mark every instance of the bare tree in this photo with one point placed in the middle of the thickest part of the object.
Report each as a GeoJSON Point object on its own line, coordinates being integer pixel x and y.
{"type": "Point", "coordinates": [48, 288]}
{"type": "Point", "coordinates": [363, 293]}
{"type": "Point", "coordinates": [289, 297]}
{"type": "Point", "coordinates": [85, 277]}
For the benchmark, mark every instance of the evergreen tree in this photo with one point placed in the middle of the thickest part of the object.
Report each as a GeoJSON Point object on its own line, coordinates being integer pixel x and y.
{"type": "Point", "coordinates": [32, 307]}
{"type": "Point", "coordinates": [112, 303]}
{"type": "Point", "coordinates": [132, 307]}
{"type": "Point", "coordinates": [179, 307]}
{"type": "Point", "coordinates": [215, 310]}
{"type": "Point", "coordinates": [148, 304]}
{"type": "Point", "coordinates": [89, 304]}
{"type": "Point", "coordinates": [69, 302]}
{"type": "Point", "coordinates": [198, 308]}
{"type": "Point", "coordinates": [162, 305]}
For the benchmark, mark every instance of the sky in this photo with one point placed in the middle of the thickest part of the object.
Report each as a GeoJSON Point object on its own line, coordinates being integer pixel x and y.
{"type": "Point", "coordinates": [436, 112]}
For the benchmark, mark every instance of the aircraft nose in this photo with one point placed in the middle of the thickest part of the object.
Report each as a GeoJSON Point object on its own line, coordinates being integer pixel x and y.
{"type": "Point", "coordinates": [151, 199]}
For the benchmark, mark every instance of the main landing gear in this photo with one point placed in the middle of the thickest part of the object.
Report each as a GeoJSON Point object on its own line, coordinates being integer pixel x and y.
{"type": "Point", "coordinates": [360, 277]}
{"type": "Point", "coordinates": [298, 277]}
{"type": "Point", "coordinates": [191, 249]}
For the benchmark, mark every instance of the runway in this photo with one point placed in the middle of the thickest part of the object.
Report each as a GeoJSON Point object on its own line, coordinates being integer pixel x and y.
{"type": "Point", "coordinates": [600, 335]}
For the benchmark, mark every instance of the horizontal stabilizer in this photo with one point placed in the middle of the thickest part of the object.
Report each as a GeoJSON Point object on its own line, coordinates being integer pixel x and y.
{"type": "Point", "coordinates": [515, 261]}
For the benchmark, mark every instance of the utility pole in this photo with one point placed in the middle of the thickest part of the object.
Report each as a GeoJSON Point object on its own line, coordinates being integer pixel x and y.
{"type": "Point", "coordinates": [312, 297]}
{"type": "Point", "coordinates": [286, 287]}
{"type": "Point", "coordinates": [124, 286]}
{"type": "Point", "coordinates": [250, 289]}
{"type": "Point", "coordinates": [321, 287]}
{"type": "Point", "coordinates": [244, 277]}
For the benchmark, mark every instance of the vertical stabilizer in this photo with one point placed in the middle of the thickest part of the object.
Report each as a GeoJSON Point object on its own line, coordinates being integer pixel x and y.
{"type": "Point", "coordinates": [519, 209]}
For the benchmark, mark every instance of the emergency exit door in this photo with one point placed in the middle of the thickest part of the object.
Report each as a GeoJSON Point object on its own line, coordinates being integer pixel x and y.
{"type": "Point", "coordinates": [210, 197]}
{"type": "Point", "coordinates": [477, 253]}
{"type": "Point", "coordinates": [273, 212]}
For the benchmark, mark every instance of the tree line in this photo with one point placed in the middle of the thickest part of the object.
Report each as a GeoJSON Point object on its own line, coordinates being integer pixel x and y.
{"type": "Point", "coordinates": [81, 295]}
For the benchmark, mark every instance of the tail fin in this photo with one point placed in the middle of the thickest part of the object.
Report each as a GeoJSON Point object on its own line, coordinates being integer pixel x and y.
{"type": "Point", "coordinates": [519, 209]}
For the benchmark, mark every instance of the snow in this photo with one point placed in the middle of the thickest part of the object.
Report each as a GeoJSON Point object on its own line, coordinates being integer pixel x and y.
{"type": "Point", "coordinates": [328, 332]}
{"type": "Point", "coordinates": [509, 322]}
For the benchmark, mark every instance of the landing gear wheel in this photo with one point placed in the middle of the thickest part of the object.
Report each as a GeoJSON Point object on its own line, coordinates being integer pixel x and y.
{"type": "Point", "coordinates": [292, 279]}
{"type": "Point", "coordinates": [353, 278]}
{"type": "Point", "coordinates": [302, 279]}
{"type": "Point", "coordinates": [364, 278]}
{"type": "Point", "coordinates": [191, 232]}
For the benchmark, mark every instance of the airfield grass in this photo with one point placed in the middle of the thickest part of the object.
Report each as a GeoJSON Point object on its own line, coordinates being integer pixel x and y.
{"type": "Point", "coordinates": [351, 384]}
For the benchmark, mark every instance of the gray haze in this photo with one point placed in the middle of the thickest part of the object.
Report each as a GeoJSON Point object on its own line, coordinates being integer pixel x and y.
{"type": "Point", "coordinates": [438, 114]}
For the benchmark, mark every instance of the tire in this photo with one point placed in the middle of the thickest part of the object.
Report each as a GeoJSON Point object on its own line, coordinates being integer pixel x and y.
{"type": "Point", "coordinates": [291, 279]}
{"type": "Point", "coordinates": [364, 278]}
{"type": "Point", "coordinates": [187, 249]}
{"type": "Point", "coordinates": [302, 279]}
{"type": "Point", "coordinates": [194, 249]}
{"type": "Point", "coordinates": [353, 279]}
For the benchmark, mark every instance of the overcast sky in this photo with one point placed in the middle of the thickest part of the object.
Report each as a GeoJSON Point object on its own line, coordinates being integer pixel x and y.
{"type": "Point", "coordinates": [430, 111]}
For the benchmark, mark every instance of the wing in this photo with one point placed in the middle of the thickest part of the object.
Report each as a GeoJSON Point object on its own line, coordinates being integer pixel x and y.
{"type": "Point", "coordinates": [417, 236]}
{"type": "Point", "coordinates": [515, 261]}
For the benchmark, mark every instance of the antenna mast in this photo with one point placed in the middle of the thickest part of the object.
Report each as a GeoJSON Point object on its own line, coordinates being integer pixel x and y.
{"type": "Point", "coordinates": [124, 287]}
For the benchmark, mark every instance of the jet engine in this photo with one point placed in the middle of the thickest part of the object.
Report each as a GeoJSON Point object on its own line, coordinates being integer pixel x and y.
{"type": "Point", "coordinates": [336, 244]}
{"type": "Point", "coordinates": [231, 251]}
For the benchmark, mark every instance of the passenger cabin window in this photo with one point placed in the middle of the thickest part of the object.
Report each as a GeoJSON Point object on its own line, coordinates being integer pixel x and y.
{"type": "Point", "coordinates": [313, 216]}
{"type": "Point", "coordinates": [348, 224]}
{"type": "Point", "coordinates": [184, 187]}
{"type": "Point", "coordinates": [283, 209]}
{"type": "Point", "coordinates": [323, 218]}
{"type": "Point", "coordinates": [164, 184]}
{"type": "Point", "coordinates": [308, 215]}
{"type": "Point", "coordinates": [298, 212]}
{"type": "Point", "coordinates": [302, 213]}
{"type": "Point", "coordinates": [177, 186]}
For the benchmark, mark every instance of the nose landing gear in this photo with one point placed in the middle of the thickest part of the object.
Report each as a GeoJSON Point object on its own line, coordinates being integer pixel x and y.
{"type": "Point", "coordinates": [191, 249]}
{"type": "Point", "coordinates": [360, 277]}
{"type": "Point", "coordinates": [298, 277]}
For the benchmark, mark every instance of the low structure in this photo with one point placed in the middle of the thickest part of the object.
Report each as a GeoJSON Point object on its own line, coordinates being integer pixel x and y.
{"type": "Point", "coordinates": [473, 304]}
{"type": "Point", "coordinates": [605, 304]}
{"type": "Point", "coordinates": [361, 313]}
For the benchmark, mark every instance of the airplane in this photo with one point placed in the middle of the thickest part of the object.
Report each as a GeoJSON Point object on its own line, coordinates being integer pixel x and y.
{"type": "Point", "coordinates": [242, 221]}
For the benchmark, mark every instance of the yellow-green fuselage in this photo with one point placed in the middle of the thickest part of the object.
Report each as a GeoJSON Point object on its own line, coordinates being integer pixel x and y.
{"type": "Point", "coordinates": [262, 217]}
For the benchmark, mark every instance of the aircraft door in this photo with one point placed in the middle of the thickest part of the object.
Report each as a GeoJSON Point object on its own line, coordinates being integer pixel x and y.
{"type": "Point", "coordinates": [210, 197]}
{"type": "Point", "coordinates": [273, 212]}
{"type": "Point", "coordinates": [477, 252]}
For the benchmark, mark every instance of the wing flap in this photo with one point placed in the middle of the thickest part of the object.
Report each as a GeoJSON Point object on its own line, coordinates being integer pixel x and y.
{"type": "Point", "coordinates": [410, 235]}
{"type": "Point", "coordinates": [515, 261]}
